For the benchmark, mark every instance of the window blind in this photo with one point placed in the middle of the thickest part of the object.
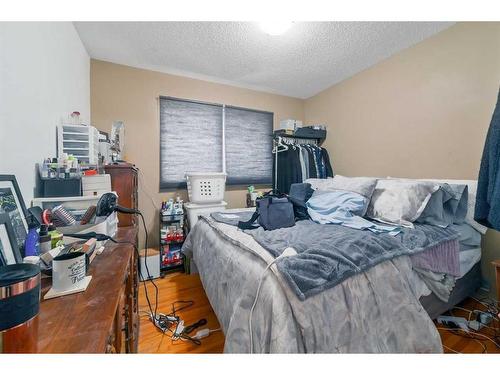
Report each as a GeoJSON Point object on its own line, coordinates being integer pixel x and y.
{"type": "Point", "coordinates": [248, 146]}
{"type": "Point", "coordinates": [190, 140]}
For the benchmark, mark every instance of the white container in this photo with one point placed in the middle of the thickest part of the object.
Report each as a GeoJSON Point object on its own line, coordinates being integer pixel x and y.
{"type": "Point", "coordinates": [206, 187]}
{"type": "Point", "coordinates": [290, 124]}
{"type": "Point", "coordinates": [153, 263]}
{"type": "Point", "coordinates": [96, 185]}
{"type": "Point", "coordinates": [80, 141]}
{"type": "Point", "coordinates": [194, 210]}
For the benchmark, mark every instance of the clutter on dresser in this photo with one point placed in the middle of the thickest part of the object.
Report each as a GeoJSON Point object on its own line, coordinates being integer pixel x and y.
{"type": "Point", "coordinates": [172, 235]}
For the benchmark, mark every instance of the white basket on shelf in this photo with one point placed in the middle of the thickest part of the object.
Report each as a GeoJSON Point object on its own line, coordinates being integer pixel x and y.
{"type": "Point", "coordinates": [205, 187]}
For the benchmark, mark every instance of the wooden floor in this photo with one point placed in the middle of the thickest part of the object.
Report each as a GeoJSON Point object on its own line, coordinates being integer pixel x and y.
{"type": "Point", "coordinates": [179, 286]}
{"type": "Point", "coordinates": [176, 287]}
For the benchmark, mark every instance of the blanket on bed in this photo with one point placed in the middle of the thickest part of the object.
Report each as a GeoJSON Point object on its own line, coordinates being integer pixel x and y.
{"type": "Point", "coordinates": [329, 254]}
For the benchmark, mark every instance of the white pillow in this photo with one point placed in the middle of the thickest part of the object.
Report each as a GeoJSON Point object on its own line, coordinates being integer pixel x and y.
{"type": "Point", "coordinates": [400, 201]}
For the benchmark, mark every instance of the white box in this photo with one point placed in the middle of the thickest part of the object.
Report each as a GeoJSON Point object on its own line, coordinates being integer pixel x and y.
{"type": "Point", "coordinates": [194, 210]}
{"type": "Point", "coordinates": [96, 185]}
{"type": "Point", "coordinates": [153, 263]}
{"type": "Point", "coordinates": [290, 124]}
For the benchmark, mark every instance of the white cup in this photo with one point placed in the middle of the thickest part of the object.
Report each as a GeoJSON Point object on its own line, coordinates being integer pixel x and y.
{"type": "Point", "coordinates": [68, 271]}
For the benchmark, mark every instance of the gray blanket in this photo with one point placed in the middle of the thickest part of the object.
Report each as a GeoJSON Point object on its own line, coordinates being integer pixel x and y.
{"type": "Point", "coordinates": [329, 254]}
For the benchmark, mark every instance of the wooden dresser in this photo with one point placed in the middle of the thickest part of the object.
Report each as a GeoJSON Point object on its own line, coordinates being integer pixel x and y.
{"type": "Point", "coordinates": [104, 318]}
{"type": "Point", "coordinates": [124, 182]}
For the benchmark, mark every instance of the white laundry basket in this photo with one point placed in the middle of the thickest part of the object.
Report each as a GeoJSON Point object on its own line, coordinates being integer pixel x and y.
{"type": "Point", "coordinates": [206, 187]}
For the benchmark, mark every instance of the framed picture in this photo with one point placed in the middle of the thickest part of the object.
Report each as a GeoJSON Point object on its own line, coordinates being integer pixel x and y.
{"type": "Point", "coordinates": [12, 203]}
{"type": "Point", "coordinates": [9, 252]}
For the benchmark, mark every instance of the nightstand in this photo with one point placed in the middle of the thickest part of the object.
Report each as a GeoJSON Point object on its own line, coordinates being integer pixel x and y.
{"type": "Point", "coordinates": [496, 263]}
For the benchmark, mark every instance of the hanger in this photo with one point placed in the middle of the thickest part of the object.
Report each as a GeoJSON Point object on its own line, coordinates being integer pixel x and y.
{"type": "Point", "coordinates": [278, 144]}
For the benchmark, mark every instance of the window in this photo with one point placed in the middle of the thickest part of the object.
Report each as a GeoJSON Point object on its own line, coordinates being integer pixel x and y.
{"type": "Point", "coordinates": [204, 137]}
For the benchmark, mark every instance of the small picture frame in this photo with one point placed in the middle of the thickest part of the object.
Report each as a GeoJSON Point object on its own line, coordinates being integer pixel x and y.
{"type": "Point", "coordinates": [12, 204]}
{"type": "Point", "coordinates": [9, 251]}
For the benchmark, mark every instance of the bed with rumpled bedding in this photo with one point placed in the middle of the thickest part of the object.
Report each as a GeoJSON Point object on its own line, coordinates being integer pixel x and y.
{"type": "Point", "coordinates": [376, 311]}
{"type": "Point", "coordinates": [350, 287]}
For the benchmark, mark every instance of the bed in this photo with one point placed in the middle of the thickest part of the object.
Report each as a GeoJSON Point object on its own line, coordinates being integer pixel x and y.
{"type": "Point", "coordinates": [367, 313]}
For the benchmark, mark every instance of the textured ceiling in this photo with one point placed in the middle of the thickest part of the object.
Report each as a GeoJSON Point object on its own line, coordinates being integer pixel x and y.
{"type": "Point", "coordinates": [307, 59]}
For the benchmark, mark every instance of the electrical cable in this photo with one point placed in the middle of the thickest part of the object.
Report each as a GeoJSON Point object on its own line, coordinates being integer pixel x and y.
{"type": "Point", "coordinates": [146, 264]}
{"type": "Point", "coordinates": [286, 253]}
{"type": "Point", "coordinates": [484, 337]}
{"type": "Point", "coordinates": [451, 350]}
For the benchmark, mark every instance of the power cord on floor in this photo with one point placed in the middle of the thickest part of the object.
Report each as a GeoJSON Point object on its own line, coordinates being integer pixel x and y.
{"type": "Point", "coordinates": [451, 350]}
{"type": "Point", "coordinates": [168, 323]}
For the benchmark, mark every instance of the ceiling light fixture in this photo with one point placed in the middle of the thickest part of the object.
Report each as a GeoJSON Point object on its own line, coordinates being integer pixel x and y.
{"type": "Point", "coordinates": [275, 27]}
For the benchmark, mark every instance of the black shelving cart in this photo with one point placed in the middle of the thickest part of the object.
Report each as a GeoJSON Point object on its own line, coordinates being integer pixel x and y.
{"type": "Point", "coordinates": [172, 236]}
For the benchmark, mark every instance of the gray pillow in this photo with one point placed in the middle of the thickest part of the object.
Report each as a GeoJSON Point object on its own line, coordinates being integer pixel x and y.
{"type": "Point", "coordinates": [447, 205]}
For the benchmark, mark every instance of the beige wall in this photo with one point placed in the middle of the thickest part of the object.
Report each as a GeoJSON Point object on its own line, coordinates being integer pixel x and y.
{"type": "Point", "coordinates": [123, 93]}
{"type": "Point", "coordinates": [422, 113]}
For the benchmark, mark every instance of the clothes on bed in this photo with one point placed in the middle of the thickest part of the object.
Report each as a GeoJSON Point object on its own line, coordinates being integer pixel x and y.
{"type": "Point", "coordinates": [344, 208]}
{"type": "Point", "coordinates": [441, 284]}
{"type": "Point", "coordinates": [440, 267]}
{"type": "Point", "coordinates": [299, 163]}
{"type": "Point", "coordinates": [488, 188]}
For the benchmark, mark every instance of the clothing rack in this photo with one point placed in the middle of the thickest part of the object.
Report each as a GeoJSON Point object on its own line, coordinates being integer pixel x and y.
{"type": "Point", "coordinates": [281, 143]}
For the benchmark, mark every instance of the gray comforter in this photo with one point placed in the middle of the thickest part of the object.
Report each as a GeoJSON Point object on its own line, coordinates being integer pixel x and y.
{"type": "Point", "coordinates": [373, 311]}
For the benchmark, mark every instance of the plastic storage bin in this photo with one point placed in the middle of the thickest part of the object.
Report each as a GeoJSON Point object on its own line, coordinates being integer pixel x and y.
{"type": "Point", "coordinates": [206, 187]}
{"type": "Point", "coordinates": [195, 210]}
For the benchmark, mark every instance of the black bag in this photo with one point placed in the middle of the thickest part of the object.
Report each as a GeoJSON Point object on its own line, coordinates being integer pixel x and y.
{"type": "Point", "coordinates": [273, 211]}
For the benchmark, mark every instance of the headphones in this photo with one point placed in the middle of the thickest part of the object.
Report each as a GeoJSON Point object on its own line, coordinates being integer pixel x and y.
{"type": "Point", "coordinates": [108, 203]}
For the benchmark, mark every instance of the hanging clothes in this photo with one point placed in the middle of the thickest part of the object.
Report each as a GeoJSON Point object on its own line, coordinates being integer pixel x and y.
{"type": "Point", "coordinates": [328, 166]}
{"type": "Point", "coordinates": [300, 162]}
